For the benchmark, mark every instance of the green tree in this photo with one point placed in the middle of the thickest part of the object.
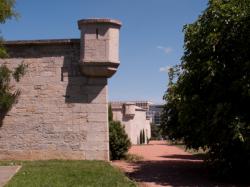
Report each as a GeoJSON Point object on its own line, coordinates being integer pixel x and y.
{"type": "Point", "coordinates": [119, 142]}
{"type": "Point", "coordinates": [110, 113]}
{"type": "Point", "coordinates": [141, 140]}
{"type": "Point", "coordinates": [208, 97]}
{"type": "Point", "coordinates": [8, 96]}
{"type": "Point", "coordinates": [6, 12]}
{"type": "Point", "coordinates": [143, 136]}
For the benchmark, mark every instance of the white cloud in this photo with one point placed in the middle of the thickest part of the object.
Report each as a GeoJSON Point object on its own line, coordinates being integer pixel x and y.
{"type": "Point", "coordinates": [164, 69]}
{"type": "Point", "coordinates": [167, 50]}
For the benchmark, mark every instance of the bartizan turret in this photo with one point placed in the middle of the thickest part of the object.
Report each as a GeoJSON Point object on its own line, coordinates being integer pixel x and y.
{"type": "Point", "coordinates": [99, 55]}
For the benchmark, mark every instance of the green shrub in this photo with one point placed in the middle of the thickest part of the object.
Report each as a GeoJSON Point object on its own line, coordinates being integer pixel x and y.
{"type": "Point", "coordinates": [118, 140]}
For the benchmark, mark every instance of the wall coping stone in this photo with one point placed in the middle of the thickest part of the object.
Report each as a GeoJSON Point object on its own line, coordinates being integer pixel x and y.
{"type": "Point", "coordinates": [99, 21]}
{"type": "Point", "coordinates": [41, 42]}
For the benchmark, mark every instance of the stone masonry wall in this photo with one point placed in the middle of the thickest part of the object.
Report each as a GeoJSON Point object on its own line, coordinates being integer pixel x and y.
{"type": "Point", "coordinates": [60, 114]}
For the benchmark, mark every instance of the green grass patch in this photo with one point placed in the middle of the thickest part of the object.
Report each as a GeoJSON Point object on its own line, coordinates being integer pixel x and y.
{"type": "Point", "coordinates": [59, 173]}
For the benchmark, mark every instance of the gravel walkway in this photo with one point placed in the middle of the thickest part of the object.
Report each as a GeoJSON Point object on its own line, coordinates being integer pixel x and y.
{"type": "Point", "coordinates": [165, 165]}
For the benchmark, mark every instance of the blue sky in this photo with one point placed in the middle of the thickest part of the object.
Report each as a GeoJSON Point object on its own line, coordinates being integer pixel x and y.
{"type": "Point", "coordinates": [151, 37]}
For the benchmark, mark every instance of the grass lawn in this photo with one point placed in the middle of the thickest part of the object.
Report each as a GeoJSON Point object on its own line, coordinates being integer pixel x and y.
{"type": "Point", "coordinates": [59, 173]}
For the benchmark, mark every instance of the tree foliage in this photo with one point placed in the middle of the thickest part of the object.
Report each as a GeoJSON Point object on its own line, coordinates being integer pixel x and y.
{"type": "Point", "coordinates": [110, 113]}
{"type": "Point", "coordinates": [6, 12]}
{"type": "Point", "coordinates": [208, 97]}
{"type": "Point", "coordinates": [119, 142]}
{"type": "Point", "coordinates": [8, 96]}
{"type": "Point", "coordinates": [143, 137]}
{"type": "Point", "coordinates": [156, 133]}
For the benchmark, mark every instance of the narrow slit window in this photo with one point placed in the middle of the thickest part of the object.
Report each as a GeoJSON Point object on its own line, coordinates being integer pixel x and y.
{"type": "Point", "coordinates": [96, 33]}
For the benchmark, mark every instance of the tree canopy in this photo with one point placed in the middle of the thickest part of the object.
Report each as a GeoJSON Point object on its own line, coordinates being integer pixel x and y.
{"type": "Point", "coordinates": [6, 12]}
{"type": "Point", "coordinates": [208, 97]}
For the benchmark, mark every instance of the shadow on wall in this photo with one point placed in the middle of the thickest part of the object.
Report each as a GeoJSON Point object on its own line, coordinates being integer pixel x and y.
{"type": "Point", "coordinates": [127, 118]}
{"type": "Point", "coordinates": [80, 89]}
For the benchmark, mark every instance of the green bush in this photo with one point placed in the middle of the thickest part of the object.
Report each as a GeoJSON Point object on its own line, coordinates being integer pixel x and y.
{"type": "Point", "coordinates": [118, 140]}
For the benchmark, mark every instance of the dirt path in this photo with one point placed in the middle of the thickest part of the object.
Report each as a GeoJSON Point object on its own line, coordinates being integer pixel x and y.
{"type": "Point", "coordinates": [165, 165]}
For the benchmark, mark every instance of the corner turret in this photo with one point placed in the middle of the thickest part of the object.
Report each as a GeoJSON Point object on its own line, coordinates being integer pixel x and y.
{"type": "Point", "coordinates": [99, 55]}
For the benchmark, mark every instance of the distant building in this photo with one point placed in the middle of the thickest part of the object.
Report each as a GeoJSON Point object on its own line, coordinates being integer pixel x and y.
{"type": "Point", "coordinates": [137, 116]}
{"type": "Point", "coordinates": [133, 118]}
{"type": "Point", "coordinates": [154, 113]}
{"type": "Point", "coordinates": [142, 104]}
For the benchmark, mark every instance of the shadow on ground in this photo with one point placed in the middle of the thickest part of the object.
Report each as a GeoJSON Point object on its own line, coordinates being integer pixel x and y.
{"type": "Point", "coordinates": [174, 173]}
{"type": "Point", "coordinates": [185, 157]}
{"type": "Point", "coordinates": [169, 172]}
{"type": "Point", "coordinates": [165, 165]}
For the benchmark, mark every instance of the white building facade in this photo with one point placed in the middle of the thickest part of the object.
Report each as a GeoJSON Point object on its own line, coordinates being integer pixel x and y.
{"type": "Point", "coordinates": [134, 119]}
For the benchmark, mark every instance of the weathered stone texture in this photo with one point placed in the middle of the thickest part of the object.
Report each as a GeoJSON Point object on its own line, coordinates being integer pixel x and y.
{"type": "Point", "coordinates": [99, 55]}
{"type": "Point", "coordinates": [60, 114]}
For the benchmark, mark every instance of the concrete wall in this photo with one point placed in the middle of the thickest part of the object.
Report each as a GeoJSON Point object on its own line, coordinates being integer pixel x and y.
{"type": "Point", "coordinates": [60, 114]}
{"type": "Point", "coordinates": [133, 123]}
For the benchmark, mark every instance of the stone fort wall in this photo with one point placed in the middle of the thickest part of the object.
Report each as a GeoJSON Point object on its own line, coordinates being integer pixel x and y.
{"type": "Point", "coordinates": [60, 113]}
